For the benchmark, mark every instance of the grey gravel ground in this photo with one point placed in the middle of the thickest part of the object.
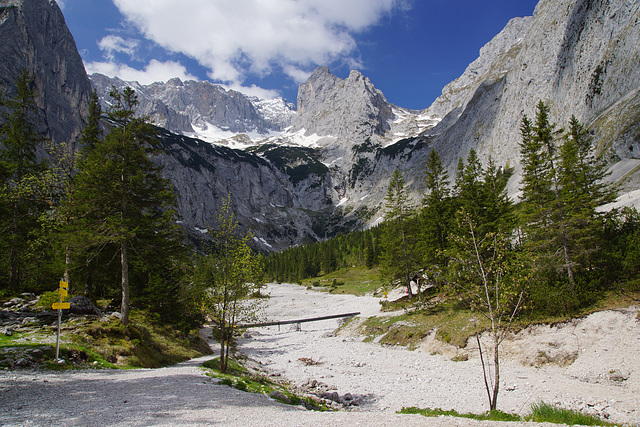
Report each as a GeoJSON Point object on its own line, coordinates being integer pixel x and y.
{"type": "Point", "coordinates": [384, 379]}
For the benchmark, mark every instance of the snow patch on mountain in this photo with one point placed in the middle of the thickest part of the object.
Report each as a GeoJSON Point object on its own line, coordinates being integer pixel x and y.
{"type": "Point", "coordinates": [408, 123]}
{"type": "Point", "coordinates": [275, 110]}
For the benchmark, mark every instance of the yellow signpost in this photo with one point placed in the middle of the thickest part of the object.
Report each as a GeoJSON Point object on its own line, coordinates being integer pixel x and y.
{"type": "Point", "coordinates": [63, 291]}
{"type": "Point", "coordinates": [61, 305]}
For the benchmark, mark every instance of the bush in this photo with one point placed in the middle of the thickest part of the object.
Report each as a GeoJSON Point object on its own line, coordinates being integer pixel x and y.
{"type": "Point", "coordinates": [48, 298]}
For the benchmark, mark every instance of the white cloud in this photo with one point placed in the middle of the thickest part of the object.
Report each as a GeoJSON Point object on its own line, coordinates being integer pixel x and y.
{"type": "Point", "coordinates": [111, 44]}
{"type": "Point", "coordinates": [235, 37]}
{"type": "Point", "coordinates": [155, 71]}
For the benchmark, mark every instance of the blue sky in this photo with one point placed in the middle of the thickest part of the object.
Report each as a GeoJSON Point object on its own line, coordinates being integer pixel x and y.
{"type": "Point", "coordinates": [410, 49]}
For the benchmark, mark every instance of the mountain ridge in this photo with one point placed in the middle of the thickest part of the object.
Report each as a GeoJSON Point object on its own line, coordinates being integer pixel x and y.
{"type": "Point", "coordinates": [305, 175]}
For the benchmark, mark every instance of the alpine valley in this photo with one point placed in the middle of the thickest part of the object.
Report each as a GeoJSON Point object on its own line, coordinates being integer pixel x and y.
{"type": "Point", "coordinates": [298, 175]}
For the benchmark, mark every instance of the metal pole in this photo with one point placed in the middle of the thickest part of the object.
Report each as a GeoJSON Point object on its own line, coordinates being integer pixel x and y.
{"type": "Point", "coordinates": [58, 334]}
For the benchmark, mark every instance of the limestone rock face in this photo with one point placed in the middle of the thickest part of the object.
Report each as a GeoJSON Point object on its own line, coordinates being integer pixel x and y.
{"type": "Point", "coordinates": [349, 109]}
{"type": "Point", "coordinates": [578, 56]}
{"type": "Point", "coordinates": [34, 36]}
{"type": "Point", "coordinates": [269, 198]}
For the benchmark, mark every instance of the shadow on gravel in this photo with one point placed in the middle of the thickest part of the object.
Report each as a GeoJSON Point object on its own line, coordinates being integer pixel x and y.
{"type": "Point", "coordinates": [117, 397]}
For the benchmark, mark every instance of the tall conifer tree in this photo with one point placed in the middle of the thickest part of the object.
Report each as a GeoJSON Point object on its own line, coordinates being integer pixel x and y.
{"type": "Point", "coordinates": [122, 201]}
{"type": "Point", "coordinates": [21, 192]}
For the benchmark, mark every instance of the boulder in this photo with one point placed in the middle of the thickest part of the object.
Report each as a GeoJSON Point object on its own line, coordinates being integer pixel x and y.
{"type": "Point", "coordinates": [83, 305]}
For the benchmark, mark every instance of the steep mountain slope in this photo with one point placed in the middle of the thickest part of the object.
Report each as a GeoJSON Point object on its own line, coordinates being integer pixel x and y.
{"type": "Point", "coordinates": [579, 56]}
{"type": "Point", "coordinates": [34, 36]}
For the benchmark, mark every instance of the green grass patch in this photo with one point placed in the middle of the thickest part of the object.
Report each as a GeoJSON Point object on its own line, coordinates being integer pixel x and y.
{"type": "Point", "coordinates": [88, 342]}
{"type": "Point", "coordinates": [244, 379]}
{"type": "Point", "coordinates": [540, 413]}
{"type": "Point", "coordinates": [144, 343]}
{"type": "Point", "coordinates": [437, 412]}
{"type": "Point", "coordinates": [354, 281]}
{"type": "Point", "coordinates": [546, 413]}
{"type": "Point", "coordinates": [453, 326]}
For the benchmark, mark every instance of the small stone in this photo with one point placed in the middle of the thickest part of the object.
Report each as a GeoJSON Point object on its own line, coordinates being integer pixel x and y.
{"type": "Point", "coordinates": [279, 396]}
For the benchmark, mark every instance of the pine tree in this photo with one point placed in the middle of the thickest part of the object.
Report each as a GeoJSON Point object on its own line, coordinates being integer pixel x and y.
{"type": "Point", "coordinates": [561, 189]}
{"type": "Point", "coordinates": [399, 251]}
{"type": "Point", "coordinates": [121, 201]}
{"type": "Point", "coordinates": [581, 192]}
{"type": "Point", "coordinates": [437, 212]}
{"type": "Point", "coordinates": [468, 185]}
{"type": "Point", "coordinates": [21, 185]}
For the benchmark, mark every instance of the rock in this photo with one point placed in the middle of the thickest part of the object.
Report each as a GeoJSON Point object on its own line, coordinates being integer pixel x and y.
{"type": "Point", "coordinates": [27, 320]}
{"type": "Point", "coordinates": [77, 356]}
{"type": "Point", "coordinates": [22, 362]}
{"type": "Point", "coordinates": [83, 305]}
{"type": "Point", "coordinates": [331, 395]}
{"type": "Point", "coordinates": [8, 362]}
{"type": "Point", "coordinates": [8, 331]}
{"type": "Point", "coordinates": [619, 376]}
{"type": "Point", "coordinates": [280, 397]}
{"type": "Point", "coordinates": [14, 302]}
{"type": "Point", "coordinates": [7, 316]}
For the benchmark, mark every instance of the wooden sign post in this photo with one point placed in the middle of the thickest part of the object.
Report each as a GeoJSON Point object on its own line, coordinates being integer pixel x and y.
{"type": "Point", "coordinates": [63, 291]}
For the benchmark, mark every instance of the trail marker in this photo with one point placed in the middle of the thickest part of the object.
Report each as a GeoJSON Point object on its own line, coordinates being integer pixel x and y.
{"type": "Point", "coordinates": [63, 291]}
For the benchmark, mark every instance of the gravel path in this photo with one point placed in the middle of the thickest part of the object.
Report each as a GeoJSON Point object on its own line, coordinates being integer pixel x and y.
{"type": "Point", "coordinates": [382, 379]}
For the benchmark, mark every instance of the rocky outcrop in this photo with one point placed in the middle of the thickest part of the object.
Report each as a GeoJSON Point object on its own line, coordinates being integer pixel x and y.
{"type": "Point", "coordinates": [34, 36]}
{"type": "Point", "coordinates": [283, 195]}
{"type": "Point", "coordinates": [349, 110]}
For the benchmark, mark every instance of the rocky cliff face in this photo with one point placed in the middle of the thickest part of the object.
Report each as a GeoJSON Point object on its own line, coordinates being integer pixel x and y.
{"type": "Point", "coordinates": [350, 109]}
{"type": "Point", "coordinates": [579, 56]}
{"type": "Point", "coordinates": [34, 36]}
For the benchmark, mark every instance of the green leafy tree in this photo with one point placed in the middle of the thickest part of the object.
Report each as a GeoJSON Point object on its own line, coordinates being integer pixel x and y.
{"type": "Point", "coordinates": [22, 188]}
{"type": "Point", "coordinates": [229, 276]}
{"type": "Point", "coordinates": [399, 257]}
{"type": "Point", "coordinates": [491, 279]}
{"type": "Point", "coordinates": [120, 201]}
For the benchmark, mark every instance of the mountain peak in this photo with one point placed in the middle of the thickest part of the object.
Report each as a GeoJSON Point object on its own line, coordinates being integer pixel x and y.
{"type": "Point", "coordinates": [329, 106]}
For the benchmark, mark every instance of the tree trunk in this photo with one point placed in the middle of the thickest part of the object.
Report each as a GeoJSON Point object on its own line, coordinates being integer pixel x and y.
{"type": "Point", "coordinates": [223, 359]}
{"type": "Point", "coordinates": [496, 368]}
{"type": "Point", "coordinates": [14, 277]}
{"type": "Point", "coordinates": [124, 265]}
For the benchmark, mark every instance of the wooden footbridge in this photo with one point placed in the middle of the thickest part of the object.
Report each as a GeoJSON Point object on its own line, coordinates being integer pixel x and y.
{"type": "Point", "coordinates": [291, 322]}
